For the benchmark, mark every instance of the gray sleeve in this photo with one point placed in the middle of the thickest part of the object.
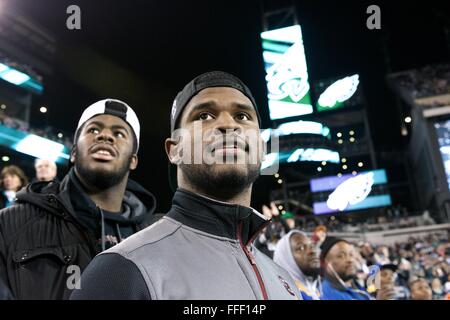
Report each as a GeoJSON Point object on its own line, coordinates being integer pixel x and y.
{"type": "Point", "coordinates": [111, 277]}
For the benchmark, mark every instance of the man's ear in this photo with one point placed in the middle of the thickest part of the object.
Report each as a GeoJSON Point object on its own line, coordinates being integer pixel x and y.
{"type": "Point", "coordinates": [73, 153]}
{"type": "Point", "coordinates": [134, 162]}
{"type": "Point", "coordinates": [171, 145]}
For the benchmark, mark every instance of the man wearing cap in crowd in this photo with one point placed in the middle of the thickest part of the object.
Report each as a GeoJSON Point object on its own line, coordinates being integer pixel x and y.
{"type": "Point", "coordinates": [203, 247]}
{"type": "Point", "coordinates": [339, 267]}
{"type": "Point", "coordinates": [388, 279]}
{"type": "Point", "coordinates": [56, 229]}
{"type": "Point", "coordinates": [300, 257]}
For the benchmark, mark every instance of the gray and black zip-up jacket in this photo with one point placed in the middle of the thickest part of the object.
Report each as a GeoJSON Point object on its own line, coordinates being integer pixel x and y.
{"type": "Point", "coordinates": [201, 249]}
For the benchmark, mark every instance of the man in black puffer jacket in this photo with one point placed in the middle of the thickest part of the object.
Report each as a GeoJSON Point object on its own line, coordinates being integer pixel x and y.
{"type": "Point", "coordinates": [49, 237]}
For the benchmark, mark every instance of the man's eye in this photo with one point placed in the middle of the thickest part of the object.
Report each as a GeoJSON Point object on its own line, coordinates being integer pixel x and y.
{"type": "Point", "coordinates": [205, 116]}
{"type": "Point", "coordinates": [243, 117]}
{"type": "Point", "coordinates": [120, 135]}
{"type": "Point", "coordinates": [93, 130]}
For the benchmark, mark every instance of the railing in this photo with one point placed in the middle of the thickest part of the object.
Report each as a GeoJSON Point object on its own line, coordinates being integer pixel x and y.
{"type": "Point", "coordinates": [390, 237]}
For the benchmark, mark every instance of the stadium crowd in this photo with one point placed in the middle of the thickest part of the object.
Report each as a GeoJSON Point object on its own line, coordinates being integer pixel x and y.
{"type": "Point", "coordinates": [419, 269]}
{"type": "Point", "coordinates": [425, 82]}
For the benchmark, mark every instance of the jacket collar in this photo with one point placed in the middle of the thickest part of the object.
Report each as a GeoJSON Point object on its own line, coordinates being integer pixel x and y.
{"type": "Point", "coordinates": [215, 217]}
{"type": "Point", "coordinates": [54, 196]}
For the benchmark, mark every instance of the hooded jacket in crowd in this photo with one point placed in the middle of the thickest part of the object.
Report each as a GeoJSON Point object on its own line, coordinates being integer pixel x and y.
{"type": "Point", "coordinates": [201, 249]}
{"type": "Point", "coordinates": [334, 290]}
{"type": "Point", "coordinates": [49, 237]}
{"type": "Point", "coordinates": [310, 288]}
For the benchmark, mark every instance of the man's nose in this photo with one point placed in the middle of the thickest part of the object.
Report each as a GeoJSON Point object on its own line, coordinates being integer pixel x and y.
{"type": "Point", "coordinates": [105, 136]}
{"type": "Point", "coordinates": [226, 123]}
{"type": "Point", "coordinates": [313, 250]}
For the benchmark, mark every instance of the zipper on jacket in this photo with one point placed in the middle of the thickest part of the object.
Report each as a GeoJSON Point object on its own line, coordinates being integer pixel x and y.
{"type": "Point", "coordinates": [252, 260]}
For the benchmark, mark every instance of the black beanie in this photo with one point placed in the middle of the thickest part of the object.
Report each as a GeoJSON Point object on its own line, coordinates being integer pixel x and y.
{"type": "Point", "coordinates": [203, 81]}
{"type": "Point", "coordinates": [327, 244]}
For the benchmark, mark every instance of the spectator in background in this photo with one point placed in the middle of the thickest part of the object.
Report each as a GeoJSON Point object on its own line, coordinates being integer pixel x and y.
{"type": "Point", "coordinates": [45, 170]}
{"type": "Point", "coordinates": [270, 235]}
{"type": "Point", "coordinates": [437, 289]}
{"type": "Point", "coordinates": [339, 268]}
{"type": "Point", "coordinates": [447, 284]}
{"type": "Point", "coordinates": [381, 255]}
{"type": "Point", "coordinates": [388, 279]}
{"type": "Point", "coordinates": [12, 180]}
{"type": "Point", "coordinates": [297, 255]}
{"type": "Point", "coordinates": [320, 233]}
{"type": "Point", "coordinates": [367, 253]}
{"type": "Point", "coordinates": [420, 290]}
{"type": "Point", "coordinates": [289, 220]}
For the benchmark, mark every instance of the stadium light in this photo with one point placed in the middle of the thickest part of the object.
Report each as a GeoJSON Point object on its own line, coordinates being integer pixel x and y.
{"type": "Point", "coordinates": [301, 127]}
{"type": "Point", "coordinates": [14, 77]}
{"type": "Point", "coordinates": [39, 147]}
{"type": "Point", "coordinates": [312, 154]}
{"type": "Point", "coordinates": [3, 67]}
{"type": "Point", "coordinates": [43, 109]}
{"type": "Point", "coordinates": [19, 78]}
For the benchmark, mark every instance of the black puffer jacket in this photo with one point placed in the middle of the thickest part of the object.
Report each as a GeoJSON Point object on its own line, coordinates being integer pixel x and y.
{"type": "Point", "coordinates": [43, 244]}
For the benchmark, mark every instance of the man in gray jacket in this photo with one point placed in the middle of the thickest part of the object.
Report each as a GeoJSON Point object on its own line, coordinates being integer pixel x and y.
{"type": "Point", "coordinates": [203, 247]}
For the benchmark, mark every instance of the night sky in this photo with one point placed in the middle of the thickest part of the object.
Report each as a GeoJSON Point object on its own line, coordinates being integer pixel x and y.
{"type": "Point", "coordinates": [144, 52]}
